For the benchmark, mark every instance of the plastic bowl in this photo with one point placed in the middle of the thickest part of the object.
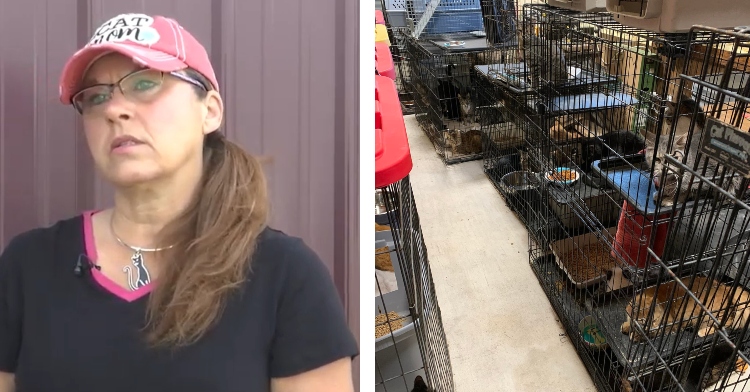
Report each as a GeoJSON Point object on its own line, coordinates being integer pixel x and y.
{"type": "Point", "coordinates": [550, 176]}
{"type": "Point", "coordinates": [589, 330]}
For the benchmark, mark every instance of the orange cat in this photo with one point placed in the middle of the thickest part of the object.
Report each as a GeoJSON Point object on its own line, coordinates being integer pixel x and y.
{"type": "Point", "coordinates": [683, 310]}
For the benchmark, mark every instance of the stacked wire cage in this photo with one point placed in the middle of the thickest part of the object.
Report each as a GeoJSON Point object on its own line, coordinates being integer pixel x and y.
{"type": "Point", "coordinates": [410, 343]}
{"type": "Point", "coordinates": [688, 317]}
{"type": "Point", "coordinates": [399, 20]}
{"type": "Point", "coordinates": [448, 38]}
{"type": "Point", "coordinates": [604, 110]}
{"type": "Point", "coordinates": [512, 156]}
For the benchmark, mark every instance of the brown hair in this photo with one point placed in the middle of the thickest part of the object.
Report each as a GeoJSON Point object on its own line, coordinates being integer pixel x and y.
{"type": "Point", "coordinates": [215, 238]}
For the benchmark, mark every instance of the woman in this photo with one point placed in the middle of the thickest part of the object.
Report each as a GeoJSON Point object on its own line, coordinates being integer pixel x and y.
{"type": "Point", "coordinates": [180, 286]}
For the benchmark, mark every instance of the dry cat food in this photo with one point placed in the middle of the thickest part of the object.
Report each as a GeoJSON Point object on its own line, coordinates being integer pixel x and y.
{"type": "Point", "coordinates": [379, 227]}
{"type": "Point", "coordinates": [383, 259]}
{"type": "Point", "coordinates": [381, 328]}
{"type": "Point", "coordinates": [562, 175]}
{"type": "Point", "coordinates": [588, 262]}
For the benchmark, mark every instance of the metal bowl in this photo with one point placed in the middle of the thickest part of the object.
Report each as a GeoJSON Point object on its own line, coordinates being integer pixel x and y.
{"type": "Point", "coordinates": [519, 181]}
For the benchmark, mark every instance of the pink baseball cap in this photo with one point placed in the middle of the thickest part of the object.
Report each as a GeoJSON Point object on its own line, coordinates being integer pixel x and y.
{"type": "Point", "coordinates": [156, 42]}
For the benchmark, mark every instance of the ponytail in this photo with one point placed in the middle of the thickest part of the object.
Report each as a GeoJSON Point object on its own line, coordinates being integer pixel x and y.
{"type": "Point", "coordinates": [215, 237]}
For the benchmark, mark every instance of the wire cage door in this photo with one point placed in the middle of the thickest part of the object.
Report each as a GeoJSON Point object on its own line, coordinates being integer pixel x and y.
{"type": "Point", "coordinates": [688, 324]}
{"type": "Point", "coordinates": [423, 314]}
{"type": "Point", "coordinates": [410, 344]}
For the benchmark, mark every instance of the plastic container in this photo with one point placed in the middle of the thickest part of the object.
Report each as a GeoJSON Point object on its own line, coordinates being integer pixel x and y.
{"type": "Point", "coordinates": [379, 19]}
{"type": "Point", "coordinates": [384, 60]}
{"type": "Point", "coordinates": [393, 301]}
{"type": "Point", "coordinates": [458, 21]}
{"type": "Point", "coordinates": [561, 247]}
{"type": "Point", "coordinates": [396, 18]}
{"type": "Point", "coordinates": [633, 236]}
{"type": "Point", "coordinates": [580, 5]}
{"type": "Point", "coordinates": [449, 5]}
{"type": "Point", "coordinates": [397, 353]}
{"type": "Point", "coordinates": [392, 155]}
{"type": "Point", "coordinates": [590, 333]}
{"type": "Point", "coordinates": [381, 34]}
{"type": "Point", "coordinates": [678, 16]}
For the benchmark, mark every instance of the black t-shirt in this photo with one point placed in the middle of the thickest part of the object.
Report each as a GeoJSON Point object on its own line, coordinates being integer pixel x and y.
{"type": "Point", "coordinates": [61, 332]}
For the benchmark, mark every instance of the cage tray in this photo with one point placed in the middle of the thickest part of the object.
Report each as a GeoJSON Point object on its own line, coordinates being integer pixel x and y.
{"type": "Point", "coordinates": [571, 312]}
{"type": "Point", "coordinates": [444, 42]}
{"type": "Point", "coordinates": [641, 356]}
{"type": "Point", "coordinates": [513, 76]}
{"type": "Point", "coordinates": [587, 102]}
{"type": "Point", "coordinates": [563, 248]}
{"type": "Point", "coordinates": [630, 176]}
{"type": "Point", "coordinates": [609, 317]}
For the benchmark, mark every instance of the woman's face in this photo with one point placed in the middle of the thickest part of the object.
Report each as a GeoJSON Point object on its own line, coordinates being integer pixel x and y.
{"type": "Point", "coordinates": [136, 140]}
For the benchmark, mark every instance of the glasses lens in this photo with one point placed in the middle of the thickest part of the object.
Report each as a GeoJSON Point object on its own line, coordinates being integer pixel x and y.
{"type": "Point", "coordinates": [91, 97]}
{"type": "Point", "coordinates": [142, 84]}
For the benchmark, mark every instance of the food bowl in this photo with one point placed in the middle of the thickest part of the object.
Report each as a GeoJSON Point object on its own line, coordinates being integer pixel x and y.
{"type": "Point", "coordinates": [563, 175]}
{"type": "Point", "coordinates": [590, 332]}
{"type": "Point", "coordinates": [519, 181]}
{"type": "Point", "coordinates": [453, 44]}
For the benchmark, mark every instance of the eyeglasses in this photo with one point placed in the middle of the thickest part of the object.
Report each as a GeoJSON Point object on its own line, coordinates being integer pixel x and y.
{"type": "Point", "coordinates": [142, 85]}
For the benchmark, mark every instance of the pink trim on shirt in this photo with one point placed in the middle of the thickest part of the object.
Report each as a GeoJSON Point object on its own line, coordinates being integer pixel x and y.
{"type": "Point", "coordinates": [99, 277]}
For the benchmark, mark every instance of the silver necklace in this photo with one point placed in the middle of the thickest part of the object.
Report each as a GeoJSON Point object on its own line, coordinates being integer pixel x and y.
{"type": "Point", "coordinates": [138, 275]}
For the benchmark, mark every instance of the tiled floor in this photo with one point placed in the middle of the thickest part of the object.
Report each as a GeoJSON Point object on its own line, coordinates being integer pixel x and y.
{"type": "Point", "coordinates": [502, 332]}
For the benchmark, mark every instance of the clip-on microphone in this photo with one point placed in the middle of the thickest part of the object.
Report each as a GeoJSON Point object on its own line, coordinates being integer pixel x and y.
{"type": "Point", "coordinates": [84, 265]}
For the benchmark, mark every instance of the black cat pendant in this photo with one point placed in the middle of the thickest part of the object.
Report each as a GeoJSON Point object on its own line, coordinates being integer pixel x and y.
{"type": "Point", "coordinates": [138, 275]}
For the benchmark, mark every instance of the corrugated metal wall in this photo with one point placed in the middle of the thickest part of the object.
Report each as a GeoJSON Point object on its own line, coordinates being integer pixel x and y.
{"type": "Point", "coordinates": [288, 69]}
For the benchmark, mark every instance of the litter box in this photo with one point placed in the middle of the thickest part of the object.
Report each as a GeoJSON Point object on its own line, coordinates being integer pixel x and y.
{"type": "Point", "coordinates": [561, 247]}
{"type": "Point", "coordinates": [396, 353]}
{"type": "Point", "coordinates": [394, 301]}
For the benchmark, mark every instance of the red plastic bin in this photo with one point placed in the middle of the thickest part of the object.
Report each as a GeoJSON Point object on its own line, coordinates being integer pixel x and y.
{"type": "Point", "coordinates": [384, 60]}
{"type": "Point", "coordinates": [634, 233]}
{"type": "Point", "coordinates": [379, 19]}
{"type": "Point", "coordinates": [392, 155]}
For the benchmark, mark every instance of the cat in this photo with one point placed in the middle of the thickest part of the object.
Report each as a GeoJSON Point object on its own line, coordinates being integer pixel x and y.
{"type": "Point", "coordinates": [506, 164]}
{"type": "Point", "coordinates": [448, 93]}
{"type": "Point", "coordinates": [463, 142]}
{"type": "Point", "coordinates": [467, 108]}
{"type": "Point", "coordinates": [716, 363]}
{"type": "Point", "coordinates": [544, 59]}
{"type": "Point", "coordinates": [668, 181]}
{"type": "Point", "coordinates": [683, 310]}
{"type": "Point", "coordinates": [612, 144]}
{"type": "Point", "coordinates": [421, 386]}
{"type": "Point", "coordinates": [584, 151]}
{"type": "Point", "coordinates": [589, 124]}
{"type": "Point", "coordinates": [490, 115]}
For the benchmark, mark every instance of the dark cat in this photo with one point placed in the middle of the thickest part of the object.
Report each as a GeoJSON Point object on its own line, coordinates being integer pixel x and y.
{"type": "Point", "coordinates": [490, 115]}
{"type": "Point", "coordinates": [668, 181]}
{"type": "Point", "coordinates": [586, 150]}
{"type": "Point", "coordinates": [506, 164]}
{"type": "Point", "coordinates": [421, 386]}
{"type": "Point", "coordinates": [611, 144]}
{"type": "Point", "coordinates": [448, 93]}
{"type": "Point", "coordinates": [715, 363]}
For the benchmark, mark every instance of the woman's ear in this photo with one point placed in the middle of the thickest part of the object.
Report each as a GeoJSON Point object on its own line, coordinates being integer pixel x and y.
{"type": "Point", "coordinates": [214, 112]}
